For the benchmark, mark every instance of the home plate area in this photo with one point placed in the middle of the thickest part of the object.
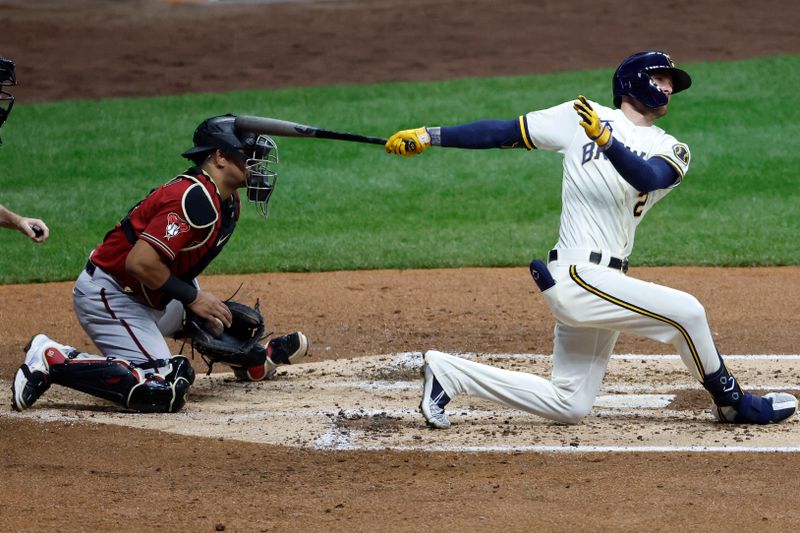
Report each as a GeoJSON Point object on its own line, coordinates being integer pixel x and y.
{"type": "Point", "coordinates": [647, 403]}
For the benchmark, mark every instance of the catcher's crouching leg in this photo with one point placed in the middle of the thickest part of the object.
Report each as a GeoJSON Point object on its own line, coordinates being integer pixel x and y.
{"type": "Point", "coordinates": [126, 384]}
{"type": "Point", "coordinates": [284, 350]}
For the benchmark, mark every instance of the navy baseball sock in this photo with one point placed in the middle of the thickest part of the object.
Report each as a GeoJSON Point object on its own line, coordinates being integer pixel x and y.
{"type": "Point", "coordinates": [438, 395]}
{"type": "Point", "coordinates": [723, 387]}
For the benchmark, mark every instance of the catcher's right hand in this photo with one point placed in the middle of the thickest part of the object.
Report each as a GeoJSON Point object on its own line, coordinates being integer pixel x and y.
{"type": "Point", "coordinates": [408, 142]}
{"type": "Point", "coordinates": [212, 309]}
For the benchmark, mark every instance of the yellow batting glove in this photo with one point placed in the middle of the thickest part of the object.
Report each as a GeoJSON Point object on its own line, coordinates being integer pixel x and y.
{"type": "Point", "coordinates": [408, 142]}
{"type": "Point", "coordinates": [596, 130]}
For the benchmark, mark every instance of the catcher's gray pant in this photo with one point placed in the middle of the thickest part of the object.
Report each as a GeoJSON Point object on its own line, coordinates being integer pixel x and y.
{"type": "Point", "coordinates": [591, 304]}
{"type": "Point", "coordinates": [119, 325]}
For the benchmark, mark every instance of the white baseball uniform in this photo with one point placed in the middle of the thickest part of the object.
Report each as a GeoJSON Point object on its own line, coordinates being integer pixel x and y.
{"type": "Point", "coordinates": [591, 301]}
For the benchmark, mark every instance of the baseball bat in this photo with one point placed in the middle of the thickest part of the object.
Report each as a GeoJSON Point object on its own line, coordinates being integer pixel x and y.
{"type": "Point", "coordinates": [285, 128]}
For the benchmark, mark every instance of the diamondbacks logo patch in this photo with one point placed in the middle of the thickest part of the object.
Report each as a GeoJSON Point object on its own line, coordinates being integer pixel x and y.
{"type": "Point", "coordinates": [175, 226]}
{"type": "Point", "coordinates": [681, 151]}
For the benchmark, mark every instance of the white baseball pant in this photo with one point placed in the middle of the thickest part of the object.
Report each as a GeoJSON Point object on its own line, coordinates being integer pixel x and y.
{"type": "Point", "coordinates": [592, 304]}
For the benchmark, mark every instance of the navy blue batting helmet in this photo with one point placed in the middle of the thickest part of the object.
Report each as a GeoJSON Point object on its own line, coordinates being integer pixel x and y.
{"type": "Point", "coordinates": [632, 78]}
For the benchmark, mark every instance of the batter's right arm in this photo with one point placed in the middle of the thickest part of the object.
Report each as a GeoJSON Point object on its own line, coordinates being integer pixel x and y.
{"type": "Point", "coordinates": [473, 135]}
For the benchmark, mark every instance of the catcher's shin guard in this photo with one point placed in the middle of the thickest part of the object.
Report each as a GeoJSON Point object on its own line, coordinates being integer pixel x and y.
{"type": "Point", "coordinates": [120, 382]}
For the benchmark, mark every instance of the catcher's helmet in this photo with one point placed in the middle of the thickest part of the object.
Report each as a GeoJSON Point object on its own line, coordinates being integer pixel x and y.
{"type": "Point", "coordinates": [7, 77]}
{"type": "Point", "coordinates": [632, 78]}
{"type": "Point", "coordinates": [258, 154]}
{"type": "Point", "coordinates": [218, 132]}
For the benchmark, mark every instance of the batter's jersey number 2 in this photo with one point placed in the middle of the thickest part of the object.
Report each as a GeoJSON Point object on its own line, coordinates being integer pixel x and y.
{"type": "Point", "coordinates": [639, 207]}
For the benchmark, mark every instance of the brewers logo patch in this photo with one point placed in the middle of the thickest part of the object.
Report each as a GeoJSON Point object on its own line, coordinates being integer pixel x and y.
{"type": "Point", "coordinates": [681, 151]}
{"type": "Point", "coordinates": [175, 226]}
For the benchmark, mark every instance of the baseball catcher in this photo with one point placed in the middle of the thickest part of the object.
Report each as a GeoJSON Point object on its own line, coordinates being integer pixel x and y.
{"type": "Point", "coordinates": [140, 286]}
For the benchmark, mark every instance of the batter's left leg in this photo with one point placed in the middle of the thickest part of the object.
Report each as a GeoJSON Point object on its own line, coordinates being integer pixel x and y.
{"type": "Point", "coordinates": [605, 298]}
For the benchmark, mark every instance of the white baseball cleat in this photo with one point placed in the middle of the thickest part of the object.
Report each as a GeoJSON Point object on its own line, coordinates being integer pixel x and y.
{"type": "Point", "coordinates": [31, 380]}
{"type": "Point", "coordinates": [433, 399]}
{"type": "Point", "coordinates": [784, 405]}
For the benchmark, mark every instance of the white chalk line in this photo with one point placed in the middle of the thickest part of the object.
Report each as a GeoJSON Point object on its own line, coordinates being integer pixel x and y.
{"type": "Point", "coordinates": [417, 385]}
{"type": "Point", "coordinates": [344, 442]}
{"type": "Point", "coordinates": [631, 357]}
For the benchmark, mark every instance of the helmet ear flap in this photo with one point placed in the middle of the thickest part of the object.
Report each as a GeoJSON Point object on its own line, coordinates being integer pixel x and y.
{"type": "Point", "coordinates": [645, 90]}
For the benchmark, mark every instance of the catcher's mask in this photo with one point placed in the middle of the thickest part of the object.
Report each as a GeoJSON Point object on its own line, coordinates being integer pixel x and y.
{"type": "Point", "coordinates": [632, 78]}
{"type": "Point", "coordinates": [8, 77]}
{"type": "Point", "coordinates": [256, 152]}
{"type": "Point", "coordinates": [260, 173]}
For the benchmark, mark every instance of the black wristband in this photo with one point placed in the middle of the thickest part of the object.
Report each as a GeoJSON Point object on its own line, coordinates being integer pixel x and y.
{"type": "Point", "coordinates": [179, 290]}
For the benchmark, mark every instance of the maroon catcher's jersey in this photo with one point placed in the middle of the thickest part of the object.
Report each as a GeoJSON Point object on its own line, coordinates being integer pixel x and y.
{"type": "Point", "coordinates": [184, 220]}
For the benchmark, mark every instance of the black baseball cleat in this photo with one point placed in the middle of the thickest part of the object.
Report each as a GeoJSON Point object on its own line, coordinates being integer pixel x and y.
{"type": "Point", "coordinates": [287, 349]}
{"type": "Point", "coordinates": [434, 398]}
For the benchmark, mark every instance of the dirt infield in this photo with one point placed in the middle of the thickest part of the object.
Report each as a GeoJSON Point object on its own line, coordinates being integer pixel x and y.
{"type": "Point", "coordinates": [335, 444]}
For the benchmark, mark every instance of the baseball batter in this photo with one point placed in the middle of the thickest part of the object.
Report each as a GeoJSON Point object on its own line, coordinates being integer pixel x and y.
{"type": "Point", "coordinates": [135, 285]}
{"type": "Point", "coordinates": [617, 166]}
{"type": "Point", "coordinates": [30, 227]}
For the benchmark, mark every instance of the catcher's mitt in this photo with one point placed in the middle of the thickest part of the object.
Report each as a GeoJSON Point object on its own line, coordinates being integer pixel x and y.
{"type": "Point", "coordinates": [237, 345]}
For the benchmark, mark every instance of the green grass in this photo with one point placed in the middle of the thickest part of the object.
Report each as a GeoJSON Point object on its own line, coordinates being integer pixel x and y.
{"type": "Point", "coordinates": [81, 165]}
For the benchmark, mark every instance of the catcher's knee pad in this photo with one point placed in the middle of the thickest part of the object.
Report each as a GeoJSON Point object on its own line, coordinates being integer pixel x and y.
{"type": "Point", "coordinates": [120, 382]}
{"type": "Point", "coordinates": [163, 394]}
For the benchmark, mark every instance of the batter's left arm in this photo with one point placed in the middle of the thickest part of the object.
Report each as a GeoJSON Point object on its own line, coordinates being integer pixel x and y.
{"type": "Point", "coordinates": [644, 174]}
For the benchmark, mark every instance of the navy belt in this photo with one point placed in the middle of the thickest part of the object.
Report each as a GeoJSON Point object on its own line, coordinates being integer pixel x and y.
{"type": "Point", "coordinates": [90, 267]}
{"type": "Point", "coordinates": [595, 257]}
